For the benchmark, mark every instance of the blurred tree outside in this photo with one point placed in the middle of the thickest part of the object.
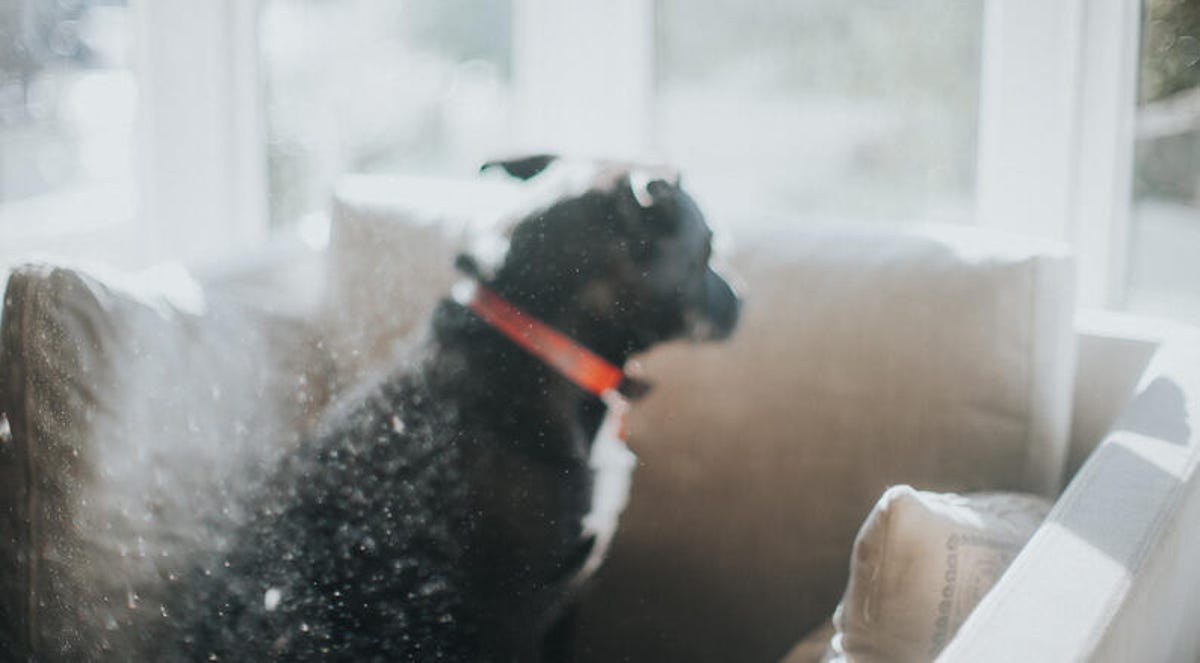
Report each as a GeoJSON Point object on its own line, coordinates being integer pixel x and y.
{"type": "Point", "coordinates": [1168, 148]}
{"type": "Point", "coordinates": [1164, 237]}
{"type": "Point", "coordinates": [56, 56]}
{"type": "Point", "coordinates": [35, 35]}
{"type": "Point", "coordinates": [1170, 48]}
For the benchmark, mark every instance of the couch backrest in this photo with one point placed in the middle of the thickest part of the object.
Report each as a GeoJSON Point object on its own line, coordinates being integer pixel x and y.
{"type": "Point", "coordinates": [864, 360]}
{"type": "Point", "coordinates": [141, 418]}
{"type": "Point", "coordinates": [942, 358]}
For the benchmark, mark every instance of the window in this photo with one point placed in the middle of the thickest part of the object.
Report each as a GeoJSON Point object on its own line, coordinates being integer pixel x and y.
{"type": "Point", "coordinates": [821, 110]}
{"type": "Point", "coordinates": [174, 128]}
{"type": "Point", "coordinates": [779, 109]}
{"type": "Point", "coordinates": [421, 87]}
{"type": "Point", "coordinates": [1164, 240]}
{"type": "Point", "coordinates": [68, 99]}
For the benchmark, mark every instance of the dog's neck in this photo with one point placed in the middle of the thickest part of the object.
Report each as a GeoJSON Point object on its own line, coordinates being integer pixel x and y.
{"type": "Point", "coordinates": [477, 362]}
{"type": "Point", "coordinates": [587, 370]}
{"type": "Point", "coordinates": [556, 304]}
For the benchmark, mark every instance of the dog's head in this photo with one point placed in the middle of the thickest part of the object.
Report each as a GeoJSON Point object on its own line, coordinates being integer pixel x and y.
{"type": "Point", "coordinates": [620, 265]}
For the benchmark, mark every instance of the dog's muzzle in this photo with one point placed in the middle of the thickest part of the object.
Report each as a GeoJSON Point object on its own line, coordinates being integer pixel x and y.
{"type": "Point", "coordinates": [717, 315]}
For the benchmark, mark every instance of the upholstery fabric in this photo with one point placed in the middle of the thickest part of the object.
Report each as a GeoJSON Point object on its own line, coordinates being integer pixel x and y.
{"type": "Point", "coordinates": [140, 415]}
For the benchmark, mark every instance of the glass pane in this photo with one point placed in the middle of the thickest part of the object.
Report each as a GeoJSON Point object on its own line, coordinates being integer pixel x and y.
{"type": "Point", "coordinates": [822, 110]}
{"type": "Point", "coordinates": [1164, 273]}
{"type": "Point", "coordinates": [380, 86]}
{"type": "Point", "coordinates": [67, 105]}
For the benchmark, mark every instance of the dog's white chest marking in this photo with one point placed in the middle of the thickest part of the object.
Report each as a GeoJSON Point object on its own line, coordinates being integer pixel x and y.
{"type": "Point", "coordinates": [612, 466]}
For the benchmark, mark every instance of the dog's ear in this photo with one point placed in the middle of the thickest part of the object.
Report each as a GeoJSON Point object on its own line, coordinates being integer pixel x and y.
{"type": "Point", "coordinates": [468, 265]}
{"type": "Point", "coordinates": [522, 168]}
{"type": "Point", "coordinates": [646, 201]}
{"type": "Point", "coordinates": [649, 189]}
{"type": "Point", "coordinates": [481, 269]}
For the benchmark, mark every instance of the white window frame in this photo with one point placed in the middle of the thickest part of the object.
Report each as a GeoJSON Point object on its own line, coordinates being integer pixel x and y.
{"type": "Point", "coordinates": [1056, 131]}
{"type": "Point", "coordinates": [203, 169]}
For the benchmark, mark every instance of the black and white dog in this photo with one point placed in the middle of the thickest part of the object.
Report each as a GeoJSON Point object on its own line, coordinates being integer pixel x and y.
{"type": "Point", "coordinates": [452, 513]}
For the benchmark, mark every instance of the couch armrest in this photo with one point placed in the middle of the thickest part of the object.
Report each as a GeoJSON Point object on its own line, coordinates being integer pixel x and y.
{"type": "Point", "coordinates": [1109, 576]}
{"type": "Point", "coordinates": [1114, 350]}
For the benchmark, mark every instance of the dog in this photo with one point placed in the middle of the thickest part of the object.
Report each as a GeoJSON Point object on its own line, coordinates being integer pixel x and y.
{"type": "Point", "coordinates": [455, 511]}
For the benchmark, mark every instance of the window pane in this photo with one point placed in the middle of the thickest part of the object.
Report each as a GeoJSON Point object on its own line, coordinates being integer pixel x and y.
{"type": "Point", "coordinates": [67, 104]}
{"type": "Point", "coordinates": [380, 86]}
{"type": "Point", "coordinates": [1164, 272]}
{"type": "Point", "coordinates": [822, 110]}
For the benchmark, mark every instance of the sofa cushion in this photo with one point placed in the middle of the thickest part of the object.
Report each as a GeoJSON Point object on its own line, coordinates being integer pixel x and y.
{"type": "Point", "coordinates": [921, 563]}
{"type": "Point", "coordinates": [140, 414]}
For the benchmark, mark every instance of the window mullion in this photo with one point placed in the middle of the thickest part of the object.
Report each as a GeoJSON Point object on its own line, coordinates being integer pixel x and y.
{"type": "Point", "coordinates": [1056, 129]}
{"type": "Point", "coordinates": [203, 171]}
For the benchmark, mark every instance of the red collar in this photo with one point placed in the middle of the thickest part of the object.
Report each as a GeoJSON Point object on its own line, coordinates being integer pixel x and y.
{"type": "Point", "coordinates": [585, 368]}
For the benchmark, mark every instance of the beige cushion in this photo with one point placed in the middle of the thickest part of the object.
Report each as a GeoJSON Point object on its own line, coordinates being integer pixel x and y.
{"type": "Point", "coordinates": [921, 563]}
{"type": "Point", "coordinates": [139, 414]}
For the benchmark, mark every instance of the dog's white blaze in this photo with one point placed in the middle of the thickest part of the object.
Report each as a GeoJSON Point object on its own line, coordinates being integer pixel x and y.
{"type": "Point", "coordinates": [612, 465]}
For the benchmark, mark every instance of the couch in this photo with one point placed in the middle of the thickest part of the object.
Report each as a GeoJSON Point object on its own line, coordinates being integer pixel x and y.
{"type": "Point", "coordinates": [948, 358]}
